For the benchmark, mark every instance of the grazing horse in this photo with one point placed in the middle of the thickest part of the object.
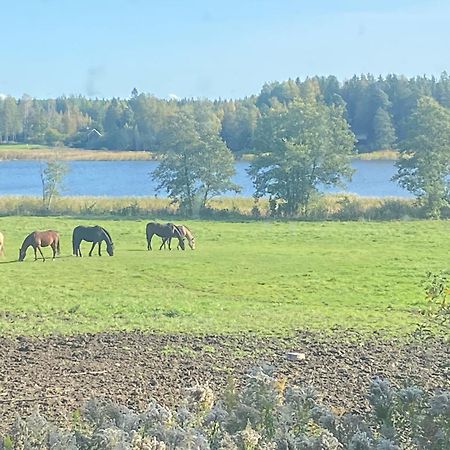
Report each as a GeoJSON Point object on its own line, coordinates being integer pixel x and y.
{"type": "Point", "coordinates": [2, 244]}
{"type": "Point", "coordinates": [96, 235]}
{"type": "Point", "coordinates": [165, 231]}
{"type": "Point", "coordinates": [38, 239]}
{"type": "Point", "coordinates": [185, 233]}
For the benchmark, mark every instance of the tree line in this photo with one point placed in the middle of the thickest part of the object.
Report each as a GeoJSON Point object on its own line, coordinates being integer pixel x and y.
{"type": "Point", "coordinates": [302, 135]}
{"type": "Point", "coordinates": [376, 109]}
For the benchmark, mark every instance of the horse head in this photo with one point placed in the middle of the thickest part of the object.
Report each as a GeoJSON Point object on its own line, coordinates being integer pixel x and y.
{"type": "Point", "coordinates": [110, 248]}
{"type": "Point", "coordinates": [22, 253]}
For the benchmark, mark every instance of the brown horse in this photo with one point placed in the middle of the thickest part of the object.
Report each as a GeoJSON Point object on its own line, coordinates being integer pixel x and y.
{"type": "Point", "coordinates": [165, 231]}
{"type": "Point", "coordinates": [38, 239]}
{"type": "Point", "coordinates": [2, 244]}
{"type": "Point", "coordinates": [185, 233]}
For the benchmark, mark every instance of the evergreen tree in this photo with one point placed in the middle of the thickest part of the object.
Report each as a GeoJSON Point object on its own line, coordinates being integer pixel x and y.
{"type": "Point", "coordinates": [383, 131]}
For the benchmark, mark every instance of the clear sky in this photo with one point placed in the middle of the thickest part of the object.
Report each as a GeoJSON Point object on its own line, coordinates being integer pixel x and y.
{"type": "Point", "coordinates": [209, 48]}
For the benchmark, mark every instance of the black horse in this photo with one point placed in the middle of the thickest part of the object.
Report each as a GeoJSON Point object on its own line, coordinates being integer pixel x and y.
{"type": "Point", "coordinates": [96, 235]}
{"type": "Point", "coordinates": [165, 231]}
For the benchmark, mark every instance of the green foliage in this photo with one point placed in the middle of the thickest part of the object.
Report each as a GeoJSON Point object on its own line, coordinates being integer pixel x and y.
{"type": "Point", "coordinates": [375, 108]}
{"type": "Point", "coordinates": [197, 165]}
{"type": "Point", "coordinates": [264, 276]}
{"type": "Point", "coordinates": [300, 147]}
{"type": "Point", "coordinates": [437, 291]}
{"type": "Point", "coordinates": [424, 166]}
{"type": "Point", "coordinates": [383, 130]}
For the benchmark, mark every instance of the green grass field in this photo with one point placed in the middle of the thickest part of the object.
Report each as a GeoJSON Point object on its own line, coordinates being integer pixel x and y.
{"type": "Point", "coordinates": [268, 277]}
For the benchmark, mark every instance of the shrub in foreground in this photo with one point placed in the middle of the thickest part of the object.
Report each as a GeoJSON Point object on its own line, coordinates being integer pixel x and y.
{"type": "Point", "coordinates": [265, 414]}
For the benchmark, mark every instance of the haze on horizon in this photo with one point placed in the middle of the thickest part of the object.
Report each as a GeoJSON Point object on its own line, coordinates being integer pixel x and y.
{"type": "Point", "coordinates": [212, 49]}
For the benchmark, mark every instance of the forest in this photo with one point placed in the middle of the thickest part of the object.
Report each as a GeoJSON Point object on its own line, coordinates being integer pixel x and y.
{"type": "Point", "coordinates": [376, 109]}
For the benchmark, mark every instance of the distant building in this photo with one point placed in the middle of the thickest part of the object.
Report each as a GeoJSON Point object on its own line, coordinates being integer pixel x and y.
{"type": "Point", "coordinates": [94, 133]}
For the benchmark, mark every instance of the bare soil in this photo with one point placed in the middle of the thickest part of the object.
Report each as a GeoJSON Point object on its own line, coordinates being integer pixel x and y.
{"type": "Point", "coordinates": [58, 374]}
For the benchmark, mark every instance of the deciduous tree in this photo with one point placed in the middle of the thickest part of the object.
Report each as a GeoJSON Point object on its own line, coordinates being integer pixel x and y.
{"type": "Point", "coordinates": [300, 147]}
{"type": "Point", "coordinates": [424, 164]}
{"type": "Point", "coordinates": [197, 164]}
{"type": "Point", "coordinates": [52, 176]}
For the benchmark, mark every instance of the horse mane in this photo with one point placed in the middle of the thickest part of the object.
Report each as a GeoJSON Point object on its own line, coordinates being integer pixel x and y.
{"type": "Point", "coordinates": [188, 232]}
{"type": "Point", "coordinates": [108, 235]}
{"type": "Point", "coordinates": [177, 231]}
{"type": "Point", "coordinates": [27, 241]}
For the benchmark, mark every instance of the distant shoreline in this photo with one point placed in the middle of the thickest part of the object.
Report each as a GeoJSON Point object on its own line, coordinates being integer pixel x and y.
{"type": "Point", "coordinates": [37, 152]}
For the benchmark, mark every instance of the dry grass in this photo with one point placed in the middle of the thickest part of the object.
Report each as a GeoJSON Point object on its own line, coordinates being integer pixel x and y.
{"type": "Point", "coordinates": [379, 154]}
{"type": "Point", "coordinates": [327, 207]}
{"type": "Point", "coordinates": [9, 152]}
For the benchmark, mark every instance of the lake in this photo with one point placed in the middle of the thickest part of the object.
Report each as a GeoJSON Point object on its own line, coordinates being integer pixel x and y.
{"type": "Point", "coordinates": [131, 178]}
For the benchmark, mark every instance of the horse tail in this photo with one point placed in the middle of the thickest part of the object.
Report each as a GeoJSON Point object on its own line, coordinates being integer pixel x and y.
{"type": "Point", "coordinates": [58, 249]}
{"type": "Point", "coordinates": [75, 242]}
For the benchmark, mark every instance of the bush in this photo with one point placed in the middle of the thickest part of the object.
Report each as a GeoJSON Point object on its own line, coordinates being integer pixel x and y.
{"type": "Point", "coordinates": [265, 414]}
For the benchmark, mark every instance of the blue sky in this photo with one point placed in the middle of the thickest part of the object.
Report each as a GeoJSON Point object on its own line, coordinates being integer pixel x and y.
{"type": "Point", "coordinates": [200, 48]}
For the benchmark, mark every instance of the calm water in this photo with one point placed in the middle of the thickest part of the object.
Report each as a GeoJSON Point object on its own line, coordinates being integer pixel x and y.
{"type": "Point", "coordinates": [131, 178]}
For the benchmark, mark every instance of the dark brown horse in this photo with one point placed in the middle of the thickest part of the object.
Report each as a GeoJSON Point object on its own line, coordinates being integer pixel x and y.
{"type": "Point", "coordinates": [38, 239]}
{"type": "Point", "coordinates": [165, 231]}
{"type": "Point", "coordinates": [96, 235]}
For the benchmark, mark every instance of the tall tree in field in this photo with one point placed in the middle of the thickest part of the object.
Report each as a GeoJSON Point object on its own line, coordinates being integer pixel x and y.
{"type": "Point", "coordinates": [52, 176]}
{"type": "Point", "coordinates": [197, 164]}
{"type": "Point", "coordinates": [300, 147]}
{"type": "Point", "coordinates": [424, 164]}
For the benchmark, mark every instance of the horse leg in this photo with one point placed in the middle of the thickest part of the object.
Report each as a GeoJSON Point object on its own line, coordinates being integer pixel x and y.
{"type": "Point", "coordinates": [163, 244]}
{"type": "Point", "coordinates": [92, 248]}
{"type": "Point", "coordinates": [78, 249]}
{"type": "Point", "coordinates": [54, 251]}
{"type": "Point", "coordinates": [99, 249]}
{"type": "Point", "coordinates": [40, 251]}
{"type": "Point", "coordinates": [149, 242]}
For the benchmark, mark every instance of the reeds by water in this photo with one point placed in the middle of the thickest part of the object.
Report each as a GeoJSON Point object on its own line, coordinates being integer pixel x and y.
{"type": "Point", "coordinates": [326, 207]}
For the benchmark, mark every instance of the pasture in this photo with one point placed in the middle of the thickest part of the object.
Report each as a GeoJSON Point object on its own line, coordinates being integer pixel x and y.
{"type": "Point", "coordinates": [266, 277]}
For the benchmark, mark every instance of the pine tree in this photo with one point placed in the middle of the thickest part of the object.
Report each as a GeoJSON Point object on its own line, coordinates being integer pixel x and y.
{"type": "Point", "coordinates": [383, 131]}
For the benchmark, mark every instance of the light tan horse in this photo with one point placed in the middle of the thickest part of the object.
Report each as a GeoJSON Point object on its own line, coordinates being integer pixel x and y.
{"type": "Point", "coordinates": [2, 245]}
{"type": "Point", "coordinates": [185, 233]}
